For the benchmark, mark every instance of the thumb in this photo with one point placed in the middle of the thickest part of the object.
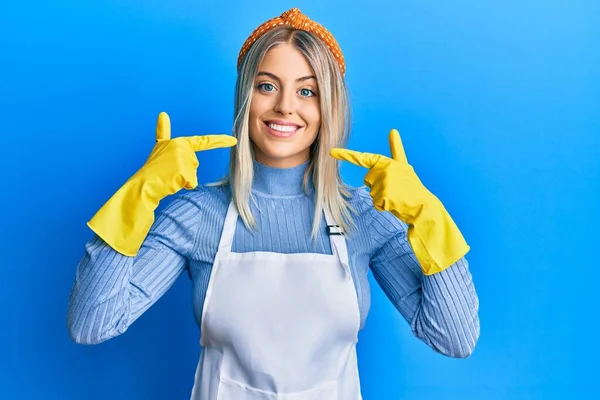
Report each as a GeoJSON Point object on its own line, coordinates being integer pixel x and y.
{"type": "Point", "coordinates": [208, 142]}
{"type": "Point", "coordinates": [396, 146]}
{"type": "Point", "coordinates": [163, 127]}
{"type": "Point", "coordinates": [367, 160]}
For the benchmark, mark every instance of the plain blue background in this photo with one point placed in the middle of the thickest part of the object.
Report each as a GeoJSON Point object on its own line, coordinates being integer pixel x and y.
{"type": "Point", "coordinates": [498, 106]}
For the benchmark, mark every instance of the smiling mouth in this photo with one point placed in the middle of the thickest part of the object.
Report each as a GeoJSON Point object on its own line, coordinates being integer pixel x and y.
{"type": "Point", "coordinates": [282, 130]}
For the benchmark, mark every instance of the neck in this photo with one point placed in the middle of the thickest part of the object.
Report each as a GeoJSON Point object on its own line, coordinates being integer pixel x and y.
{"type": "Point", "coordinates": [279, 181]}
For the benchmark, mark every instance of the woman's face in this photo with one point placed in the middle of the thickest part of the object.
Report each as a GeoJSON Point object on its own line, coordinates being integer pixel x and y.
{"type": "Point", "coordinates": [285, 114]}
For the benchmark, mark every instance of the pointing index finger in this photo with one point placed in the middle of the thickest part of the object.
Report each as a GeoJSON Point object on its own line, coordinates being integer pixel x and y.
{"type": "Point", "coordinates": [367, 160]}
{"type": "Point", "coordinates": [208, 142]}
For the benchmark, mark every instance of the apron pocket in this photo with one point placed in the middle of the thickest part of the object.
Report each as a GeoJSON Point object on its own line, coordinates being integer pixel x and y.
{"type": "Point", "coordinates": [231, 390]}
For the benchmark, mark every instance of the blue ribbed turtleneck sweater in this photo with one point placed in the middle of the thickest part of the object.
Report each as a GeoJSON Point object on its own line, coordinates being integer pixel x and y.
{"type": "Point", "coordinates": [112, 290]}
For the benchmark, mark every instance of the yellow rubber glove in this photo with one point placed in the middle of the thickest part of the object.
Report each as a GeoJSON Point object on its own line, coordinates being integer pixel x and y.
{"type": "Point", "coordinates": [125, 220]}
{"type": "Point", "coordinates": [432, 234]}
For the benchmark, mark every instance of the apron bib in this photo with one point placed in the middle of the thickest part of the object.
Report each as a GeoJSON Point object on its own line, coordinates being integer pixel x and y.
{"type": "Point", "coordinates": [278, 326]}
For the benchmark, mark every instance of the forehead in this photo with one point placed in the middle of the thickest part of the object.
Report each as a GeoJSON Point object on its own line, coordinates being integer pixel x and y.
{"type": "Point", "coordinates": [286, 61]}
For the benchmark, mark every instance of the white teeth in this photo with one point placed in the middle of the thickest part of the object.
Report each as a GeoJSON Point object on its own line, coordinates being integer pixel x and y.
{"type": "Point", "coordinates": [283, 128]}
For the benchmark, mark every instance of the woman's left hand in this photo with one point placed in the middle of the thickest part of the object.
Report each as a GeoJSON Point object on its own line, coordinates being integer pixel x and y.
{"type": "Point", "coordinates": [395, 187]}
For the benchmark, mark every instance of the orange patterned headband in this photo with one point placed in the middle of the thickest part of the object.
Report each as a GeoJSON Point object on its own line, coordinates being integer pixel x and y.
{"type": "Point", "coordinates": [296, 19]}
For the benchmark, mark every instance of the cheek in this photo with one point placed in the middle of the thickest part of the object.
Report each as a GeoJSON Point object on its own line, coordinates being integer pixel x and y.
{"type": "Point", "coordinates": [258, 106]}
{"type": "Point", "coordinates": [257, 109]}
{"type": "Point", "coordinates": [313, 115]}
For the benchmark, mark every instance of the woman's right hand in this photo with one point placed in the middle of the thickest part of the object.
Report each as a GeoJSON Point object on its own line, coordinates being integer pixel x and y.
{"type": "Point", "coordinates": [126, 218]}
{"type": "Point", "coordinates": [172, 164]}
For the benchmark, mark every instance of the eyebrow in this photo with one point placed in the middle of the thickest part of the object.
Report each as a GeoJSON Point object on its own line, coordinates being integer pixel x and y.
{"type": "Point", "coordinates": [273, 76]}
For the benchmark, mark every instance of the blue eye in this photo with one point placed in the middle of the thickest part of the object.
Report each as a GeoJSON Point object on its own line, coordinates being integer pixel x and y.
{"type": "Point", "coordinates": [307, 93]}
{"type": "Point", "coordinates": [267, 87]}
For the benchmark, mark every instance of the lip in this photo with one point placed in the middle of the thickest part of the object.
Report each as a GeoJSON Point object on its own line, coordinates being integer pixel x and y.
{"type": "Point", "coordinates": [281, 122]}
{"type": "Point", "coordinates": [284, 123]}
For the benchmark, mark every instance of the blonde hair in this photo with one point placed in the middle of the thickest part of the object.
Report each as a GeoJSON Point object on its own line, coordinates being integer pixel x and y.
{"type": "Point", "coordinates": [331, 192]}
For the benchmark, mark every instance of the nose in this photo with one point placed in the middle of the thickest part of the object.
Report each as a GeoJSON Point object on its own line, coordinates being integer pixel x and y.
{"type": "Point", "coordinates": [285, 103]}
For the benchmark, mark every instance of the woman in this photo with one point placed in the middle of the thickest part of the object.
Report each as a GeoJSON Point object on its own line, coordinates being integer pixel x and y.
{"type": "Point", "coordinates": [280, 293]}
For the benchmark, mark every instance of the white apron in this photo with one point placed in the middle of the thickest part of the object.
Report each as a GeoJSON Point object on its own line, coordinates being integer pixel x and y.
{"type": "Point", "coordinates": [278, 326]}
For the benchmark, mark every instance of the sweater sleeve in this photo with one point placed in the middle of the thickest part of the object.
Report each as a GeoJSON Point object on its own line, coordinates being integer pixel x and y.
{"type": "Point", "coordinates": [112, 290]}
{"type": "Point", "coordinates": [442, 309]}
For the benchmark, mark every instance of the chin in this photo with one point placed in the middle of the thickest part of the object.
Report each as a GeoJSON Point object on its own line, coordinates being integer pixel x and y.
{"type": "Point", "coordinates": [280, 157]}
{"type": "Point", "coordinates": [280, 152]}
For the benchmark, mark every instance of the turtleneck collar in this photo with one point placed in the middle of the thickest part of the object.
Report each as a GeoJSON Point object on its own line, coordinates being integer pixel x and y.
{"type": "Point", "coordinates": [279, 181]}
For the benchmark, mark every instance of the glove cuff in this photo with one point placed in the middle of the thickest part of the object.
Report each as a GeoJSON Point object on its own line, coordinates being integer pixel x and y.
{"type": "Point", "coordinates": [124, 221]}
{"type": "Point", "coordinates": [436, 240]}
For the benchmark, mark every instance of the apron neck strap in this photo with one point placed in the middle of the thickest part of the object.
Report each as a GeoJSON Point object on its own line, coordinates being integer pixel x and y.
{"type": "Point", "coordinates": [338, 242]}
{"type": "Point", "coordinates": [228, 228]}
